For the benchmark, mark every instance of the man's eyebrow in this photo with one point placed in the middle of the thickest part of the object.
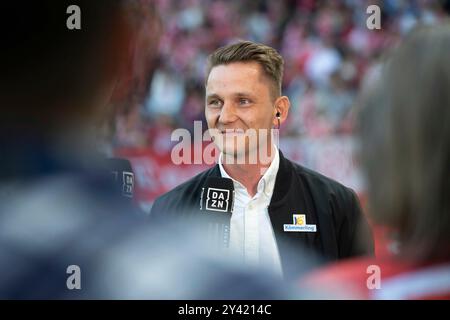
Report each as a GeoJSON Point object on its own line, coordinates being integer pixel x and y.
{"type": "Point", "coordinates": [243, 94]}
{"type": "Point", "coordinates": [212, 95]}
{"type": "Point", "coordinates": [237, 94]}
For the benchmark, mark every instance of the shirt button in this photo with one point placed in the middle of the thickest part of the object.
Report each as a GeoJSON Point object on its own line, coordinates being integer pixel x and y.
{"type": "Point", "coordinates": [250, 207]}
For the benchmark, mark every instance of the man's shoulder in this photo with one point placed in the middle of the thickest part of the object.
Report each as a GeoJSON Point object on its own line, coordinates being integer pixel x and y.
{"type": "Point", "coordinates": [320, 182]}
{"type": "Point", "coordinates": [186, 193]}
{"type": "Point", "coordinates": [188, 186]}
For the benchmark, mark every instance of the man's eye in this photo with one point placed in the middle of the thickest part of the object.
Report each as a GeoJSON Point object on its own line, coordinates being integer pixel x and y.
{"type": "Point", "coordinates": [215, 103]}
{"type": "Point", "coordinates": [244, 101]}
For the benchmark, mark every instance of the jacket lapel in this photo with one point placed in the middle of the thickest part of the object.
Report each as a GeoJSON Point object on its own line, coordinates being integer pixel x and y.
{"type": "Point", "coordinates": [291, 197]}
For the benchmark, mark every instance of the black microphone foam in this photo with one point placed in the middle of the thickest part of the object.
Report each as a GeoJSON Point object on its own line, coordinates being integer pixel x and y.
{"type": "Point", "coordinates": [217, 195]}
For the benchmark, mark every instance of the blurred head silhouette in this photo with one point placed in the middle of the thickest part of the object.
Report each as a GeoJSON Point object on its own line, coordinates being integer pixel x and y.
{"type": "Point", "coordinates": [405, 130]}
{"type": "Point", "coordinates": [56, 83]}
{"type": "Point", "coordinates": [52, 76]}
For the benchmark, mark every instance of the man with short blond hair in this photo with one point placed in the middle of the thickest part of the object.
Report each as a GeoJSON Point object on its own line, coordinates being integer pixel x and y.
{"type": "Point", "coordinates": [278, 205]}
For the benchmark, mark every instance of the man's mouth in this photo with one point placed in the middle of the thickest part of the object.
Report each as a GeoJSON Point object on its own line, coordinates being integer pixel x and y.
{"type": "Point", "coordinates": [232, 131]}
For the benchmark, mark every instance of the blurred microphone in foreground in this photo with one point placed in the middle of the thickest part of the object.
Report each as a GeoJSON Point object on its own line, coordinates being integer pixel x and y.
{"type": "Point", "coordinates": [122, 175]}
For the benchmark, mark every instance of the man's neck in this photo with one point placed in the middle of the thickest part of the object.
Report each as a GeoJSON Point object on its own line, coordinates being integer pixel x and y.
{"type": "Point", "coordinates": [249, 174]}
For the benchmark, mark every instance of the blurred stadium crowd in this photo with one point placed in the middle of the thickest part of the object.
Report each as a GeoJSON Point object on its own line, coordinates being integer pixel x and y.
{"type": "Point", "coordinates": [329, 53]}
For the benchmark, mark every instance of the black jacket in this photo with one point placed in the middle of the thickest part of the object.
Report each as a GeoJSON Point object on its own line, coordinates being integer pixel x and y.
{"type": "Point", "coordinates": [342, 230]}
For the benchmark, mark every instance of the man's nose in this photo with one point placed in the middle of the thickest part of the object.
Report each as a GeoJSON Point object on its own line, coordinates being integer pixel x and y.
{"type": "Point", "coordinates": [227, 113]}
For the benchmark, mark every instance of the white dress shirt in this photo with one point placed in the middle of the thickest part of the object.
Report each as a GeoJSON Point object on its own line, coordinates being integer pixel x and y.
{"type": "Point", "coordinates": [251, 234]}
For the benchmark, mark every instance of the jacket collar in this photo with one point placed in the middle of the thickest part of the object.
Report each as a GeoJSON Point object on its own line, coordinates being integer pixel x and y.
{"type": "Point", "coordinates": [266, 184]}
{"type": "Point", "coordinates": [282, 181]}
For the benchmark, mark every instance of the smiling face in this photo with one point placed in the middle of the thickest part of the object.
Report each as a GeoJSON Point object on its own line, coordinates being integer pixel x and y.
{"type": "Point", "coordinates": [239, 98]}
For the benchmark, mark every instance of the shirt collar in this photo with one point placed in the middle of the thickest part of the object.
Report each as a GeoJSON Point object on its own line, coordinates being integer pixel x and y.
{"type": "Point", "coordinates": [267, 182]}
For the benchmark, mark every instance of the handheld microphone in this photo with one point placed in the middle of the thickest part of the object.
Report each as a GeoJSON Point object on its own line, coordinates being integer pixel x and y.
{"type": "Point", "coordinates": [123, 176]}
{"type": "Point", "coordinates": [216, 203]}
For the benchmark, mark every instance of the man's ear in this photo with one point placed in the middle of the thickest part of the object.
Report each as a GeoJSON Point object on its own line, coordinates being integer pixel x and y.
{"type": "Point", "coordinates": [281, 110]}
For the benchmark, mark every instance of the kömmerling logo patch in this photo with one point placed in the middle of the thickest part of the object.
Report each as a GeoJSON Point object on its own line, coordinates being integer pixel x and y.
{"type": "Point", "coordinates": [299, 225]}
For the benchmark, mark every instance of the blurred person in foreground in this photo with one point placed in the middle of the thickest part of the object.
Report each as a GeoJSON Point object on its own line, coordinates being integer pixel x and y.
{"type": "Point", "coordinates": [65, 232]}
{"type": "Point", "coordinates": [280, 208]}
{"type": "Point", "coordinates": [58, 202]}
{"type": "Point", "coordinates": [405, 140]}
